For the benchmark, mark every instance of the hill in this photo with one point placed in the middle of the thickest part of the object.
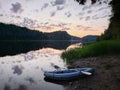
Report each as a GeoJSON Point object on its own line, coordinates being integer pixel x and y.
{"type": "Point", "coordinates": [89, 38]}
{"type": "Point", "coordinates": [13, 32]}
{"type": "Point", "coordinates": [58, 35]}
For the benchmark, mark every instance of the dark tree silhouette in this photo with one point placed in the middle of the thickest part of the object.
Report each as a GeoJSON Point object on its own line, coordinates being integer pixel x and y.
{"type": "Point", "coordinates": [83, 1]}
{"type": "Point", "coordinates": [113, 31]}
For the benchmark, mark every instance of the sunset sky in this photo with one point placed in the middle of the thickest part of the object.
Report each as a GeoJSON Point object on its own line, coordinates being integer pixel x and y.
{"type": "Point", "coordinates": [57, 15]}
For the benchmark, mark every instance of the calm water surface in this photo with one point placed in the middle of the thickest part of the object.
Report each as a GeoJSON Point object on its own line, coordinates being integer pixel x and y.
{"type": "Point", "coordinates": [25, 71]}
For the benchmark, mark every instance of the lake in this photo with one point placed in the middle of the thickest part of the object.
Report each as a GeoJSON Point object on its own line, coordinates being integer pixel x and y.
{"type": "Point", "coordinates": [22, 64]}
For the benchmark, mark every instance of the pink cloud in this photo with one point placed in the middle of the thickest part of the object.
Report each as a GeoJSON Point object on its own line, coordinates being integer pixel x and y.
{"type": "Point", "coordinates": [84, 27]}
{"type": "Point", "coordinates": [45, 27]}
{"type": "Point", "coordinates": [17, 7]}
{"type": "Point", "coordinates": [68, 14]}
{"type": "Point", "coordinates": [65, 28]}
{"type": "Point", "coordinates": [87, 18]}
{"type": "Point", "coordinates": [60, 25]}
{"type": "Point", "coordinates": [79, 26]}
{"type": "Point", "coordinates": [44, 6]}
{"type": "Point", "coordinates": [52, 14]}
{"type": "Point", "coordinates": [89, 11]}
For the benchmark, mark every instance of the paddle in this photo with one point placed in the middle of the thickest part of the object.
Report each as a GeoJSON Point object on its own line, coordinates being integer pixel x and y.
{"type": "Point", "coordinates": [86, 73]}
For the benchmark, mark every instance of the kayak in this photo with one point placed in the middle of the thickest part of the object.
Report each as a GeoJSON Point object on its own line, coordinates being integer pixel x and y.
{"type": "Point", "coordinates": [68, 73]}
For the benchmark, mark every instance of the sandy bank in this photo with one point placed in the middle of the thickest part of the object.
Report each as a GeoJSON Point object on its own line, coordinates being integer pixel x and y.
{"type": "Point", "coordinates": [106, 76]}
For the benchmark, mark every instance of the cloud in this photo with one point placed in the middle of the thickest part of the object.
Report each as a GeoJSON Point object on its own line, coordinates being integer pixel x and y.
{"type": "Point", "coordinates": [81, 13]}
{"type": "Point", "coordinates": [45, 6]}
{"type": "Point", "coordinates": [0, 5]}
{"type": "Point", "coordinates": [88, 28]}
{"type": "Point", "coordinates": [89, 11]}
{"type": "Point", "coordinates": [36, 10]}
{"type": "Point", "coordinates": [18, 17]}
{"type": "Point", "coordinates": [1, 15]}
{"type": "Point", "coordinates": [60, 7]}
{"type": "Point", "coordinates": [18, 70]}
{"type": "Point", "coordinates": [52, 14]}
{"type": "Point", "coordinates": [102, 8]}
{"type": "Point", "coordinates": [44, 27]}
{"type": "Point", "coordinates": [104, 16]}
{"type": "Point", "coordinates": [95, 17]}
{"type": "Point", "coordinates": [87, 18]}
{"type": "Point", "coordinates": [52, 26]}
{"type": "Point", "coordinates": [58, 2]}
{"type": "Point", "coordinates": [46, 23]}
{"type": "Point", "coordinates": [65, 28]}
{"type": "Point", "coordinates": [28, 22]}
{"type": "Point", "coordinates": [104, 1]}
{"type": "Point", "coordinates": [17, 7]}
{"type": "Point", "coordinates": [86, 7]}
{"type": "Point", "coordinates": [80, 18]}
{"type": "Point", "coordinates": [60, 25]}
{"type": "Point", "coordinates": [81, 27]}
{"type": "Point", "coordinates": [28, 0]}
{"type": "Point", "coordinates": [68, 14]}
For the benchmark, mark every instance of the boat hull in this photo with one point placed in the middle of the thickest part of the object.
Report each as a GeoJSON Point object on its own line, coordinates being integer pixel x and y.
{"type": "Point", "coordinates": [67, 74]}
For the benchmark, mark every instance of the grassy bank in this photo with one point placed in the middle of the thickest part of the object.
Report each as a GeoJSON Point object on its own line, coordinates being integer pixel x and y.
{"type": "Point", "coordinates": [96, 49]}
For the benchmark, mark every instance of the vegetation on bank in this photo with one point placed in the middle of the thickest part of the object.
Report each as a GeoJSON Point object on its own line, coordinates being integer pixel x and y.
{"type": "Point", "coordinates": [105, 47]}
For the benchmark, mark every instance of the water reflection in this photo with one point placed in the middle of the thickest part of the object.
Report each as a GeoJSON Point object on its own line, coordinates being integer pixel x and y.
{"type": "Point", "coordinates": [76, 45]}
{"type": "Point", "coordinates": [57, 81]}
{"type": "Point", "coordinates": [17, 47]}
{"type": "Point", "coordinates": [21, 87]}
{"type": "Point", "coordinates": [18, 70]}
{"type": "Point", "coordinates": [25, 71]}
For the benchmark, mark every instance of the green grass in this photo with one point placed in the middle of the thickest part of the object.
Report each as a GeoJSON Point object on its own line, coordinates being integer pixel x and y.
{"type": "Point", "coordinates": [95, 49]}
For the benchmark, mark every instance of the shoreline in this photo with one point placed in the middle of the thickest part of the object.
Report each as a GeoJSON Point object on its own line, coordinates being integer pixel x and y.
{"type": "Point", "coordinates": [106, 75]}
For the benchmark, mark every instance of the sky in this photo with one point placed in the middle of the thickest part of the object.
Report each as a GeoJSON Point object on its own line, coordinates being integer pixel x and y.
{"type": "Point", "coordinates": [57, 15]}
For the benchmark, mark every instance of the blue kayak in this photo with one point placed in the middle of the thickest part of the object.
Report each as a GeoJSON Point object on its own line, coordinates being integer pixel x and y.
{"type": "Point", "coordinates": [68, 73]}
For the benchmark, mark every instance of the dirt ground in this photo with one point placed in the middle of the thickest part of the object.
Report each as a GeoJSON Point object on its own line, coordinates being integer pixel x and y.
{"type": "Point", "coordinates": [105, 77]}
